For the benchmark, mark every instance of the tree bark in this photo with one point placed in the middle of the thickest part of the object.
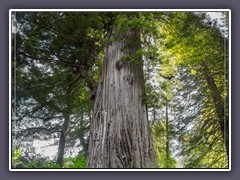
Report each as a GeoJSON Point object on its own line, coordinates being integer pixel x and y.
{"type": "Point", "coordinates": [62, 141]}
{"type": "Point", "coordinates": [120, 135]}
{"type": "Point", "coordinates": [61, 145]}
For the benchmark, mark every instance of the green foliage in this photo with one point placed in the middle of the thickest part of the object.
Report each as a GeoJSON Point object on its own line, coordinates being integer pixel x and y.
{"type": "Point", "coordinates": [38, 164]}
{"type": "Point", "coordinates": [16, 154]}
{"type": "Point", "coordinates": [165, 159]}
{"type": "Point", "coordinates": [19, 161]}
{"type": "Point", "coordinates": [198, 131]}
{"type": "Point", "coordinates": [78, 162]}
{"type": "Point", "coordinates": [187, 44]}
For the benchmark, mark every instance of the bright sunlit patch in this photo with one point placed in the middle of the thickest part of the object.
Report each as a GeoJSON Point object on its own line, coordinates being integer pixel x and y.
{"type": "Point", "coordinates": [216, 15]}
{"type": "Point", "coordinates": [46, 148]}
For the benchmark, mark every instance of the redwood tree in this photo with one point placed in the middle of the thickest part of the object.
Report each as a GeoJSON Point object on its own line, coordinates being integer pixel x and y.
{"type": "Point", "coordinates": [120, 135]}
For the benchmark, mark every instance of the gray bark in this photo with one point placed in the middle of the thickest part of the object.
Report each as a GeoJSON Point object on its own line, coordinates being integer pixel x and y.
{"type": "Point", "coordinates": [61, 145]}
{"type": "Point", "coordinates": [62, 140]}
{"type": "Point", "coordinates": [120, 135]}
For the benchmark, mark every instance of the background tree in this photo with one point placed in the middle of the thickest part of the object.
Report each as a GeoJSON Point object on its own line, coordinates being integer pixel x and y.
{"type": "Point", "coordinates": [198, 45]}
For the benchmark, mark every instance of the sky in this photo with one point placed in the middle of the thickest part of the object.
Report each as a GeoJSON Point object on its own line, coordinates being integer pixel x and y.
{"type": "Point", "coordinates": [217, 16]}
{"type": "Point", "coordinates": [43, 148]}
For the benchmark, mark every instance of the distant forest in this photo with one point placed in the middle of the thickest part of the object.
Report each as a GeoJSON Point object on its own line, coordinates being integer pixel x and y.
{"type": "Point", "coordinates": [119, 90]}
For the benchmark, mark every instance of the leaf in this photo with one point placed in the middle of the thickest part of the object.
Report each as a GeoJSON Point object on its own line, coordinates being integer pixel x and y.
{"type": "Point", "coordinates": [193, 72]}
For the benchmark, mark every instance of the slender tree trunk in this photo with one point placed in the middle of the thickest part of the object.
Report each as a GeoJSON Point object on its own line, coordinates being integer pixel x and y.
{"type": "Point", "coordinates": [62, 141]}
{"type": "Point", "coordinates": [61, 145]}
{"type": "Point", "coordinates": [83, 143]}
{"type": "Point", "coordinates": [82, 132]}
{"type": "Point", "coordinates": [120, 134]}
{"type": "Point", "coordinates": [219, 107]}
{"type": "Point", "coordinates": [167, 136]}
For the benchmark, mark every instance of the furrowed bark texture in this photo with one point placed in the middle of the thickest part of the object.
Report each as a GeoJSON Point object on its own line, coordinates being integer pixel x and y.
{"type": "Point", "coordinates": [120, 135]}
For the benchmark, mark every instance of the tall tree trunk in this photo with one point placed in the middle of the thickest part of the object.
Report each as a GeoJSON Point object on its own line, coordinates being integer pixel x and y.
{"type": "Point", "coordinates": [120, 134]}
{"type": "Point", "coordinates": [167, 136]}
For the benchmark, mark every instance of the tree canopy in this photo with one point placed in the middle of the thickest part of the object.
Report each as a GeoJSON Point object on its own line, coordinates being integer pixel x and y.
{"type": "Point", "coordinates": [57, 61]}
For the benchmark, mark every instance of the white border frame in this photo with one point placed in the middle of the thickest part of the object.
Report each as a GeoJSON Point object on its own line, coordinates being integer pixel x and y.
{"type": "Point", "coordinates": [116, 10]}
